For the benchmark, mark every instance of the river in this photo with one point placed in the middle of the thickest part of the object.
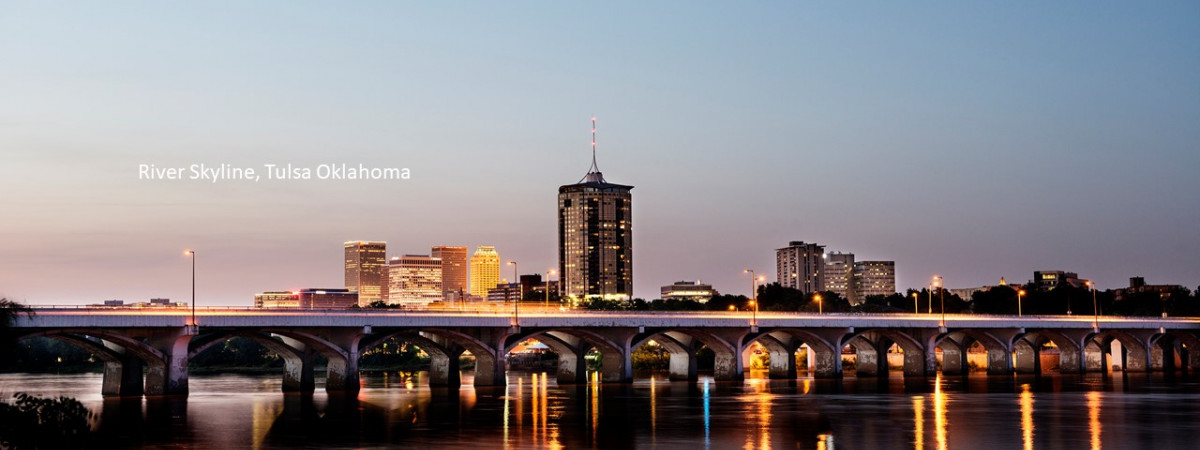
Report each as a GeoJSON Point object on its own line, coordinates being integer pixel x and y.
{"type": "Point", "coordinates": [1092, 411]}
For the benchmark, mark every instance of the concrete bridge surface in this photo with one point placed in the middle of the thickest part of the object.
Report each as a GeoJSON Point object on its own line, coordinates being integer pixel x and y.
{"type": "Point", "coordinates": [146, 351]}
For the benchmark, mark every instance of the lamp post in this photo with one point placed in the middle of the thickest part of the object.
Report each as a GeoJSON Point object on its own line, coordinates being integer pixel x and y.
{"type": "Point", "coordinates": [1095, 308]}
{"type": "Point", "coordinates": [192, 253]}
{"type": "Point", "coordinates": [1020, 292]}
{"type": "Point", "coordinates": [941, 296]}
{"type": "Point", "coordinates": [548, 273]}
{"type": "Point", "coordinates": [820, 309]}
{"type": "Point", "coordinates": [916, 303]}
{"type": "Point", "coordinates": [753, 297]}
{"type": "Point", "coordinates": [517, 303]}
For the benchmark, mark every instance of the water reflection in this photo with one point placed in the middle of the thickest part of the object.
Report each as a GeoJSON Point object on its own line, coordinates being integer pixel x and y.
{"type": "Point", "coordinates": [1027, 417]}
{"type": "Point", "coordinates": [939, 413]}
{"type": "Point", "coordinates": [1093, 405]}
{"type": "Point", "coordinates": [1125, 411]}
{"type": "Point", "coordinates": [919, 422]}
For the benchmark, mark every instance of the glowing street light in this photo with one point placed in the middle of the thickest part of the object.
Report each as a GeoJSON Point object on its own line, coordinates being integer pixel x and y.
{"type": "Point", "coordinates": [192, 254]}
{"type": "Point", "coordinates": [916, 303]}
{"type": "Point", "coordinates": [1020, 293]}
{"type": "Point", "coordinates": [941, 297]}
{"type": "Point", "coordinates": [820, 310]}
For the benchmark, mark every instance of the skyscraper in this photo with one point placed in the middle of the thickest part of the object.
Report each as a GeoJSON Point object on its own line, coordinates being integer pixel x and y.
{"type": "Point", "coordinates": [595, 236]}
{"type": "Point", "coordinates": [454, 269]}
{"type": "Point", "coordinates": [485, 270]}
{"type": "Point", "coordinates": [365, 263]}
{"type": "Point", "coordinates": [416, 280]}
{"type": "Point", "coordinates": [801, 266]}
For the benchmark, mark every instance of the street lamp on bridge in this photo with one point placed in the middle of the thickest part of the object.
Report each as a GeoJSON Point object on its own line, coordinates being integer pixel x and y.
{"type": "Point", "coordinates": [1020, 293]}
{"type": "Point", "coordinates": [753, 296]}
{"type": "Point", "coordinates": [820, 310]}
{"type": "Point", "coordinates": [941, 297]}
{"type": "Point", "coordinates": [192, 253]}
{"type": "Point", "coordinates": [1095, 308]}
{"type": "Point", "coordinates": [916, 303]}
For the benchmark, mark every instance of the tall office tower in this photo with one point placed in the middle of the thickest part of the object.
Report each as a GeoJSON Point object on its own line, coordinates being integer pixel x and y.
{"type": "Point", "coordinates": [874, 278]}
{"type": "Point", "coordinates": [839, 275]}
{"type": "Point", "coordinates": [454, 270]}
{"type": "Point", "coordinates": [416, 280]}
{"type": "Point", "coordinates": [485, 270]}
{"type": "Point", "coordinates": [595, 237]}
{"type": "Point", "coordinates": [365, 263]}
{"type": "Point", "coordinates": [801, 266]}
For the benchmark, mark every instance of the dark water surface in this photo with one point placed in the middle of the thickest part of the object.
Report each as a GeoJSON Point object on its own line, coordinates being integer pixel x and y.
{"type": "Point", "coordinates": [1094, 411]}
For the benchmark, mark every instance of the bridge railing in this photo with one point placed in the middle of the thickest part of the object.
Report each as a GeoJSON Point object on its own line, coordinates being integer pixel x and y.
{"type": "Point", "coordinates": [535, 309]}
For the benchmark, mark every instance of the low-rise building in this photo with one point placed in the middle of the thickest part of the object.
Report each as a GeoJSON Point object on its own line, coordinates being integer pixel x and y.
{"type": "Point", "coordinates": [311, 298]}
{"type": "Point", "coordinates": [1137, 285]}
{"type": "Point", "coordinates": [153, 303]}
{"type": "Point", "coordinates": [1046, 280]}
{"type": "Point", "coordinates": [688, 290]}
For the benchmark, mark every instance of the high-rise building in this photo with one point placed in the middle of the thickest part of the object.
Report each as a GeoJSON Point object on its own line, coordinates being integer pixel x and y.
{"type": "Point", "coordinates": [801, 266]}
{"type": "Point", "coordinates": [366, 262]}
{"type": "Point", "coordinates": [874, 278]}
{"type": "Point", "coordinates": [595, 237]}
{"type": "Point", "coordinates": [839, 275]}
{"type": "Point", "coordinates": [416, 280]}
{"type": "Point", "coordinates": [485, 270]}
{"type": "Point", "coordinates": [454, 270]}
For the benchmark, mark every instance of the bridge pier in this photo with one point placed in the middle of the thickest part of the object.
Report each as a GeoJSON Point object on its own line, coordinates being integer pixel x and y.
{"type": "Point", "coordinates": [169, 376]}
{"type": "Point", "coordinates": [954, 359]}
{"type": "Point", "coordinates": [298, 373]}
{"type": "Point", "coordinates": [1028, 360]}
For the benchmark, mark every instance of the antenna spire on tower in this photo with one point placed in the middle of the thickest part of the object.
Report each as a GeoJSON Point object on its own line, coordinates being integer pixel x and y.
{"type": "Point", "coordinates": [595, 168]}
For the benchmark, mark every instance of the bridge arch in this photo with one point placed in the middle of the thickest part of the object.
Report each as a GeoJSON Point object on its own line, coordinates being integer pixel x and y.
{"type": "Point", "coordinates": [871, 347]}
{"type": "Point", "coordinates": [782, 345]}
{"type": "Point", "coordinates": [1134, 353]}
{"type": "Point", "coordinates": [999, 352]}
{"type": "Point", "coordinates": [297, 362]}
{"type": "Point", "coordinates": [1175, 349]}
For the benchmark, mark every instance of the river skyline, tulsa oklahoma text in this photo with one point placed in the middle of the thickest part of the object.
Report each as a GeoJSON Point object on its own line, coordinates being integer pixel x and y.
{"type": "Point", "coordinates": [271, 172]}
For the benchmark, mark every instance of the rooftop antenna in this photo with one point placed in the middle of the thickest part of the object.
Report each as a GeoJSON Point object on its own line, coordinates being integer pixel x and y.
{"type": "Point", "coordinates": [595, 168]}
{"type": "Point", "coordinates": [593, 175]}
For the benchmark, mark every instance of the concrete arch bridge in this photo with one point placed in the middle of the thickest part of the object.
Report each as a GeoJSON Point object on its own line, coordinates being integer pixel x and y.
{"type": "Point", "coordinates": [147, 351]}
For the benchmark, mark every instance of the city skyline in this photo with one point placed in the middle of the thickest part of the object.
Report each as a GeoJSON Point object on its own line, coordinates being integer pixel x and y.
{"type": "Point", "coordinates": [971, 141]}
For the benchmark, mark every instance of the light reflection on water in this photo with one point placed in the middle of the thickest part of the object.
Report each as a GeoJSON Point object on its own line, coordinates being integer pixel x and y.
{"type": "Point", "coordinates": [242, 411]}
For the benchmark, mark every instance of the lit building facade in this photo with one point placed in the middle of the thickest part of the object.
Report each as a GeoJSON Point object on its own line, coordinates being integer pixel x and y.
{"type": "Point", "coordinates": [415, 280]}
{"type": "Point", "coordinates": [311, 298]}
{"type": "Point", "coordinates": [874, 278]}
{"type": "Point", "coordinates": [595, 239]}
{"type": "Point", "coordinates": [277, 299]}
{"type": "Point", "coordinates": [454, 270]}
{"type": "Point", "coordinates": [801, 266]}
{"type": "Point", "coordinates": [839, 275]}
{"type": "Point", "coordinates": [485, 270]}
{"type": "Point", "coordinates": [1046, 280]}
{"type": "Point", "coordinates": [688, 290]}
{"type": "Point", "coordinates": [366, 262]}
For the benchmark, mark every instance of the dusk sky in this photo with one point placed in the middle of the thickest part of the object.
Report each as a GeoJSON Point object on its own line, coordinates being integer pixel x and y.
{"type": "Point", "coordinates": [973, 141]}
